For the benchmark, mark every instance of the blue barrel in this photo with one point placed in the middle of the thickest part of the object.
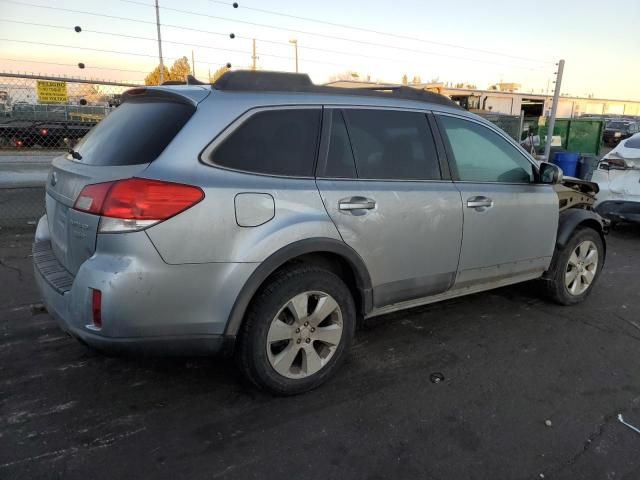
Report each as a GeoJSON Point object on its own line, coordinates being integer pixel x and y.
{"type": "Point", "coordinates": [568, 162]}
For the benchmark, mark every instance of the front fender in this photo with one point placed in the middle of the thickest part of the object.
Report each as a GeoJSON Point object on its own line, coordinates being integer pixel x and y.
{"type": "Point", "coordinates": [573, 218]}
{"type": "Point", "coordinates": [568, 222]}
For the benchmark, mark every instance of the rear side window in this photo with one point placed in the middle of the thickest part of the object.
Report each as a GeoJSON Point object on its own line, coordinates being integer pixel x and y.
{"type": "Point", "coordinates": [275, 142]}
{"type": "Point", "coordinates": [134, 133]}
{"type": "Point", "coordinates": [394, 145]}
{"type": "Point", "coordinates": [340, 162]}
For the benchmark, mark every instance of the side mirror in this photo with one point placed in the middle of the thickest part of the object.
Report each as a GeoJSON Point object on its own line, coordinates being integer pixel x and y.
{"type": "Point", "coordinates": [550, 173]}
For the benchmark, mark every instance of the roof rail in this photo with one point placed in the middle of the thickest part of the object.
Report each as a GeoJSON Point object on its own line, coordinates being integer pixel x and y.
{"type": "Point", "coordinates": [265, 81]}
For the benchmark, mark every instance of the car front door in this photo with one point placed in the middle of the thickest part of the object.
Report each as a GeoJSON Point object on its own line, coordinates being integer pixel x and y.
{"type": "Point", "coordinates": [380, 180]}
{"type": "Point", "coordinates": [510, 220]}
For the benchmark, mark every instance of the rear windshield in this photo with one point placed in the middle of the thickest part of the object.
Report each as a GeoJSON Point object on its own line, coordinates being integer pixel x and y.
{"type": "Point", "coordinates": [134, 133]}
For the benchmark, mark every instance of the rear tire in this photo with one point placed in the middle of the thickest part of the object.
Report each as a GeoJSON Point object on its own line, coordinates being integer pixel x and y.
{"type": "Point", "coordinates": [576, 267]}
{"type": "Point", "coordinates": [297, 330]}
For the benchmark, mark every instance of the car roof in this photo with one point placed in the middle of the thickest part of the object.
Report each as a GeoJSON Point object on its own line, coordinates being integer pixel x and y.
{"type": "Point", "coordinates": [282, 88]}
{"type": "Point", "coordinates": [250, 81]}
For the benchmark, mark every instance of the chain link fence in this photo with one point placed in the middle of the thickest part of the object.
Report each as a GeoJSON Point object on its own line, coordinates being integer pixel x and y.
{"type": "Point", "coordinates": [38, 112]}
{"type": "Point", "coordinates": [39, 116]}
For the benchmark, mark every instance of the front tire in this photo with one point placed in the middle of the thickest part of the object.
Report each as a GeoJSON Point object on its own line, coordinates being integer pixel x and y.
{"type": "Point", "coordinates": [576, 267]}
{"type": "Point", "coordinates": [297, 330]}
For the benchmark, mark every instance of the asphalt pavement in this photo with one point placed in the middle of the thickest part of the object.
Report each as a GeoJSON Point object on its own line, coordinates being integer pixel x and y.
{"type": "Point", "coordinates": [529, 390]}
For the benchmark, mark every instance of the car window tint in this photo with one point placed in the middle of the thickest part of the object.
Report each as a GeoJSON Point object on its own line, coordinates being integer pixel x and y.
{"type": "Point", "coordinates": [481, 155]}
{"type": "Point", "coordinates": [340, 163]}
{"type": "Point", "coordinates": [389, 144]}
{"type": "Point", "coordinates": [136, 132]}
{"type": "Point", "coordinates": [276, 142]}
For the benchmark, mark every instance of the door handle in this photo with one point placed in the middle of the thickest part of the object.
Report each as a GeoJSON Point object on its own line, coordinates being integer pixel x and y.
{"type": "Point", "coordinates": [356, 203]}
{"type": "Point", "coordinates": [479, 202]}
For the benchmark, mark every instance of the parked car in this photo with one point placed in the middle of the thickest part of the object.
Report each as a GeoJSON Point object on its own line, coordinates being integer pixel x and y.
{"type": "Point", "coordinates": [618, 130]}
{"type": "Point", "coordinates": [264, 215]}
{"type": "Point", "coordinates": [618, 176]}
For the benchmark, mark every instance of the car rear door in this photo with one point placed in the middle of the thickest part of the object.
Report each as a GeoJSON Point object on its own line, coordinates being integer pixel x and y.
{"type": "Point", "coordinates": [380, 180]}
{"type": "Point", "coordinates": [510, 220]}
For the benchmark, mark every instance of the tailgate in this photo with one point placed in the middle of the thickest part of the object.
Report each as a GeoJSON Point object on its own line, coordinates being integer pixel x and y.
{"type": "Point", "coordinates": [121, 146]}
{"type": "Point", "coordinates": [73, 233]}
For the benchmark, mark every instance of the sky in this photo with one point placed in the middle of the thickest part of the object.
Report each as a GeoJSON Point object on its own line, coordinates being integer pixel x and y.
{"type": "Point", "coordinates": [467, 41]}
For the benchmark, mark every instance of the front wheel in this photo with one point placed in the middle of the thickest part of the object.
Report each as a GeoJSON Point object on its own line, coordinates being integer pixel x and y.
{"type": "Point", "coordinates": [576, 267]}
{"type": "Point", "coordinates": [297, 330]}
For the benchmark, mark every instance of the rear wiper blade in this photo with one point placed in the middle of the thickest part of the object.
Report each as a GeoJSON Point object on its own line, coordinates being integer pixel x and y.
{"type": "Point", "coordinates": [74, 154]}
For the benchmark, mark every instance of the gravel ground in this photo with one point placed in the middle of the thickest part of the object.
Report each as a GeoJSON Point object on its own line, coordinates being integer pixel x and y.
{"type": "Point", "coordinates": [530, 390]}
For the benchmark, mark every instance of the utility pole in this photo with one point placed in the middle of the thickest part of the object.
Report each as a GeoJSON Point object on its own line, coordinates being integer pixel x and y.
{"type": "Point", "coordinates": [554, 110]}
{"type": "Point", "coordinates": [193, 64]}
{"type": "Point", "coordinates": [159, 43]}
{"type": "Point", "coordinates": [253, 56]}
{"type": "Point", "coordinates": [294, 42]}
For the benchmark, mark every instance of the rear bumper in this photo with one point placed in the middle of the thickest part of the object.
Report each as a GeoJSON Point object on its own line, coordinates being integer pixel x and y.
{"type": "Point", "coordinates": [620, 210]}
{"type": "Point", "coordinates": [148, 306]}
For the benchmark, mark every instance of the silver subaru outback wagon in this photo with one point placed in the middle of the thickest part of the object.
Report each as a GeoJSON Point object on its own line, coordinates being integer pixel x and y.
{"type": "Point", "coordinates": [261, 216]}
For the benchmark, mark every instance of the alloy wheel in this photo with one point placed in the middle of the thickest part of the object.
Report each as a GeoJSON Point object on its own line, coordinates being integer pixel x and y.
{"type": "Point", "coordinates": [304, 334]}
{"type": "Point", "coordinates": [581, 268]}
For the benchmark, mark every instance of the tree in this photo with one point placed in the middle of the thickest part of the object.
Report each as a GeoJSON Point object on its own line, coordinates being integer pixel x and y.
{"type": "Point", "coordinates": [218, 73]}
{"type": "Point", "coordinates": [405, 79]}
{"type": "Point", "coordinates": [178, 72]}
{"type": "Point", "coordinates": [416, 79]}
{"type": "Point", "coordinates": [180, 69]}
{"type": "Point", "coordinates": [154, 77]}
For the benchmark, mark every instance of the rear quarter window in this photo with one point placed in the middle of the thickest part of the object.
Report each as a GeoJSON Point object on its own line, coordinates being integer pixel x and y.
{"type": "Point", "coordinates": [275, 142]}
{"type": "Point", "coordinates": [134, 133]}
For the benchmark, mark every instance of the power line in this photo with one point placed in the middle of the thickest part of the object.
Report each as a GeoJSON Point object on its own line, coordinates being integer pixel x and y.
{"type": "Point", "coordinates": [199, 45]}
{"type": "Point", "coordinates": [322, 35]}
{"type": "Point", "coordinates": [217, 64]}
{"type": "Point", "coordinates": [96, 67]}
{"type": "Point", "coordinates": [345, 39]}
{"type": "Point", "coordinates": [379, 32]}
{"type": "Point", "coordinates": [119, 52]}
{"type": "Point", "coordinates": [182, 27]}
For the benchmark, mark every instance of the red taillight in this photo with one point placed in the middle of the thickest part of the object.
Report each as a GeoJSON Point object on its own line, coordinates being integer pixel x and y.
{"type": "Point", "coordinates": [44, 132]}
{"type": "Point", "coordinates": [19, 143]}
{"type": "Point", "coordinates": [96, 307]}
{"type": "Point", "coordinates": [139, 201]}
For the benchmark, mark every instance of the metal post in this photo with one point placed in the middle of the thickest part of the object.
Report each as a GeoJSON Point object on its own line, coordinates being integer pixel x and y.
{"type": "Point", "coordinates": [521, 126]}
{"type": "Point", "coordinates": [193, 64]}
{"type": "Point", "coordinates": [294, 42]}
{"type": "Point", "coordinates": [554, 110]}
{"type": "Point", "coordinates": [159, 43]}
{"type": "Point", "coordinates": [253, 56]}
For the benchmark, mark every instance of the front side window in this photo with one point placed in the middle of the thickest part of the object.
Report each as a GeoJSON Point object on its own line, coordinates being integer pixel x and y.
{"type": "Point", "coordinates": [394, 145]}
{"type": "Point", "coordinates": [275, 142]}
{"type": "Point", "coordinates": [481, 155]}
